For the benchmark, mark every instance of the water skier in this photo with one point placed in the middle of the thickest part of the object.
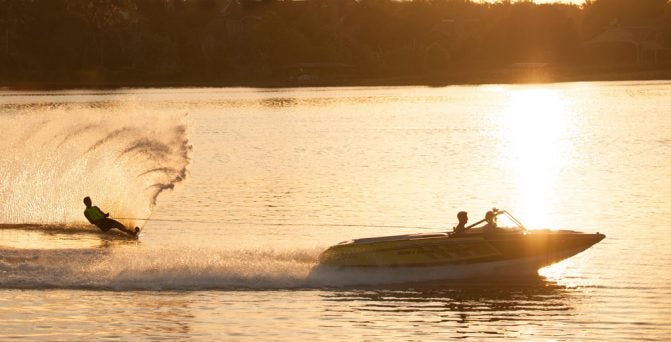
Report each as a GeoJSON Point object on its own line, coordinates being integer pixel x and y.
{"type": "Point", "coordinates": [102, 220]}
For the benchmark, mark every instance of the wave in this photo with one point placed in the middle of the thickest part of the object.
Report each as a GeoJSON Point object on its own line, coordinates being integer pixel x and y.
{"type": "Point", "coordinates": [156, 269]}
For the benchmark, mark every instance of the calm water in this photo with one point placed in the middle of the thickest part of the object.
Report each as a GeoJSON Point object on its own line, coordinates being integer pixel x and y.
{"type": "Point", "coordinates": [275, 176]}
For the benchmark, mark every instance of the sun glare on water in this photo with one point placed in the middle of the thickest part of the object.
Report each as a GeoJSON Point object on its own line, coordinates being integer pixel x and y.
{"type": "Point", "coordinates": [534, 129]}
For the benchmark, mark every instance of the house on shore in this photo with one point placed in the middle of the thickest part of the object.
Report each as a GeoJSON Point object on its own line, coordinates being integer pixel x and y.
{"type": "Point", "coordinates": [525, 72]}
{"type": "Point", "coordinates": [628, 45]}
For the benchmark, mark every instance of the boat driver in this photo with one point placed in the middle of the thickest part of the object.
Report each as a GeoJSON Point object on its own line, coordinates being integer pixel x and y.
{"type": "Point", "coordinates": [490, 218]}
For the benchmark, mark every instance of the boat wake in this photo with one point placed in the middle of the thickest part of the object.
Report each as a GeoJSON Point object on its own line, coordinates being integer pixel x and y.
{"type": "Point", "coordinates": [121, 269]}
{"type": "Point", "coordinates": [122, 154]}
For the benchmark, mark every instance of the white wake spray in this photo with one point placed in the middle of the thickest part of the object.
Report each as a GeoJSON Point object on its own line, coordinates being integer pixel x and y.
{"type": "Point", "coordinates": [156, 269]}
{"type": "Point", "coordinates": [121, 154]}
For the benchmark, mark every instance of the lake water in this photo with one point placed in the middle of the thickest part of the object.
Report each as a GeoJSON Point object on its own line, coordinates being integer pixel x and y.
{"type": "Point", "coordinates": [251, 185]}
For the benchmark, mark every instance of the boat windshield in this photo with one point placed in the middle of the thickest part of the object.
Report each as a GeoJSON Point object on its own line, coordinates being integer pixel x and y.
{"type": "Point", "coordinates": [503, 220]}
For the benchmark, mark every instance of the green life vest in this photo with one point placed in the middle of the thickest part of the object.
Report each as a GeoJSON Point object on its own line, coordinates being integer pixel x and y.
{"type": "Point", "coordinates": [94, 214]}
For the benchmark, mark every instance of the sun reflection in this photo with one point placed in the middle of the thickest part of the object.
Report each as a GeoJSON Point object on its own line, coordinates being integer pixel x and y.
{"type": "Point", "coordinates": [569, 272]}
{"type": "Point", "coordinates": [535, 133]}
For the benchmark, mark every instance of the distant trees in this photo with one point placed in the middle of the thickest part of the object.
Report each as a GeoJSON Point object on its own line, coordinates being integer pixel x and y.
{"type": "Point", "coordinates": [237, 41]}
{"type": "Point", "coordinates": [600, 13]}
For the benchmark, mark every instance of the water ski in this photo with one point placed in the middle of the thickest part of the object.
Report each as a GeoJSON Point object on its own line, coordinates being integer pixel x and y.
{"type": "Point", "coordinates": [125, 233]}
{"type": "Point", "coordinates": [133, 234]}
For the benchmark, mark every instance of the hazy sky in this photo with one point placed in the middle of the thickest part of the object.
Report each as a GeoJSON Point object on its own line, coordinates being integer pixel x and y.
{"type": "Point", "coordinates": [565, 1]}
{"type": "Point", "coordinates": [548, 1]}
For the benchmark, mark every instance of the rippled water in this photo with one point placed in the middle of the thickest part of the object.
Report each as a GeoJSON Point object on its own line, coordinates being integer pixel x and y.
{"type": "Point", "coordinates": [276, 176]}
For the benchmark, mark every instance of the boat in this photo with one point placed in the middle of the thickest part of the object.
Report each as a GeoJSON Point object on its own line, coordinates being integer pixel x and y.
{"type": "Point", "coordinates": [509, 248]}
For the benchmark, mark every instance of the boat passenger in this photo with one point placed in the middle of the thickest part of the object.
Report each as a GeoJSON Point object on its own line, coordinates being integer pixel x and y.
{"type": "Point", "coordinates": [490, 218]}
{"type": "Point", "coordinates": [462, 216]}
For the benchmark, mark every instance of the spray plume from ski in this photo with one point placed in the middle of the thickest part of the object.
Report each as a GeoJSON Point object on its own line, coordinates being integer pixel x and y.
{"type": "Point", "coordinates": [121, 154]}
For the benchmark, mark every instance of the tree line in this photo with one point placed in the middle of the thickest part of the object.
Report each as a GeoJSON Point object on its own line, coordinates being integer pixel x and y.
{"type": "Point", "coordinates": [273, 42]}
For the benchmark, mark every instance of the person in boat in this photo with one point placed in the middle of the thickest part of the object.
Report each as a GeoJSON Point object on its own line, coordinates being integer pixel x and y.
{"type": "Point", "coordinates": [490, 218]}
{"type": "Point", "coordinates": [462, 216]}
{"type": "Point", "coordinates": [101, 219]}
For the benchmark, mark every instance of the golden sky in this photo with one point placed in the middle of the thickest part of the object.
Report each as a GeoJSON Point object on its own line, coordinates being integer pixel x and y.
{"type": "Point", "coordinates": [564, 1]}
{"type": "Point", "coordinates": [548, 1]}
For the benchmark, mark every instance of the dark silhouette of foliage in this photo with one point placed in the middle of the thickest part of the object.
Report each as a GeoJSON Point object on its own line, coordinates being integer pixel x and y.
{"type": "Point", "coordinates": [272, 42]}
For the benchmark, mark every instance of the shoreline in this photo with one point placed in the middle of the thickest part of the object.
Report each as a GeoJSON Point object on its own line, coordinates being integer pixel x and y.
{"type": "Point", "coordinates": [470, 78]}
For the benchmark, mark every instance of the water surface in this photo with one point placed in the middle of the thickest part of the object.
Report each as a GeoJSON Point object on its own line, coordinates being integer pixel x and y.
{"type": "Point", "coordinates": [276, 176]}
